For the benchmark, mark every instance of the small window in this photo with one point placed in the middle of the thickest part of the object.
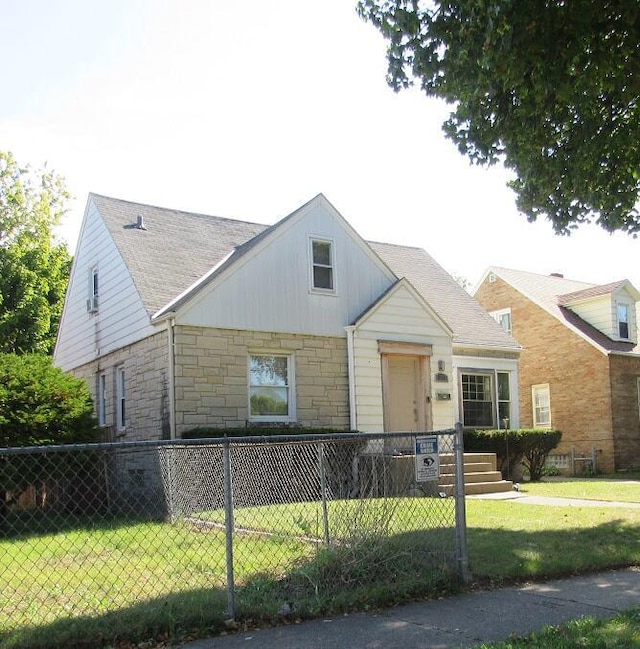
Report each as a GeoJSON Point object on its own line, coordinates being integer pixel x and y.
{"type": "Point", "coordinates": [121, 412]}
{"type": "Point", "coordinates": [322, 265]}
{"type": "Point", "coordinates": [92, 300]}
{"type": "Point", "coordinates": [623, 321]}
{"type": "Point", "coordinates": [271, 387]}
{"type": "Point", "coordinates": [503, 318]}
{"type": "Point", "coordinates": [101, 404]}
{"type": "Point", "coordinates": [541, 398]}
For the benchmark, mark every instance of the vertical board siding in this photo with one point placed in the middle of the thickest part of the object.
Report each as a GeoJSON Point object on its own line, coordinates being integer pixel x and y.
{"type": "Point", "coordinates": [270, 291]}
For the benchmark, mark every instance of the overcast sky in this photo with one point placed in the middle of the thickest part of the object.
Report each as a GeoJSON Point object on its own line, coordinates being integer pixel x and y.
{"type": "Point", "coordinates": [249, 109]}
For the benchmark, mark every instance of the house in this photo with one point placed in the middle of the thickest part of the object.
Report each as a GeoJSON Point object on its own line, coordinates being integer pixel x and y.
{"type": "Point", "coordinates": [580, 365]}
{"type": "Point", "coordinates": [180, 320]}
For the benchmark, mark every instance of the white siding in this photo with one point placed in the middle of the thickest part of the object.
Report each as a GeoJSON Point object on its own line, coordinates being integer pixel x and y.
{"type": "Point", "coordinates": [400, 318]}
{"type": "Point", "coordinates": [268, 289]}
{"type": "Point", "coordinates": [602, 313]}
{"type": "Point", "coordinates": [120, 320]}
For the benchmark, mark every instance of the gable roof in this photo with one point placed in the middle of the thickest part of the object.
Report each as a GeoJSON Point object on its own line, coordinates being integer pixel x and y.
{"type": "Point", "coordinates": [472, 326]}
{"type": "Point", "coordinates": [554, 294]}
{"type": "Point", "coordinates": [178, 252]}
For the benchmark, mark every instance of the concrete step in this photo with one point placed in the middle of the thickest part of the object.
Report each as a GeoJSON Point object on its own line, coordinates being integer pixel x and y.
{"type": "Point", "coordinates": [476, 488]}
{"type": "Point", "coordinates": [470, 458]}
{"type": "Point", "coordinates": [469, 467]}
{"type": "Point", "coordinates": [470, 478]}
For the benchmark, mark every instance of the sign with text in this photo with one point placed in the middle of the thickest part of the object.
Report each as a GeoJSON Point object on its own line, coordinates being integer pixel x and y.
{"type": "Point", "coordinates": [427, 460]}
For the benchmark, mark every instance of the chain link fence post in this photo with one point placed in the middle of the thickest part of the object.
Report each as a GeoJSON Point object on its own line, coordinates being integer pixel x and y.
{"type": "Point", "coordinates": [229, 527]}
{"type": "Point", "coordinates": [461, 518]}
{"type": "Point", "coordinates": [323, 489]}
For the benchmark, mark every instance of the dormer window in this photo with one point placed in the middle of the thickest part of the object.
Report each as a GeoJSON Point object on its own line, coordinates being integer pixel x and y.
{"type": "Point", "coordinates": [322, 265]}
{"type": "Point", "coordinates": [623, 321]}
{"type": "Point", "coordinates": [503, 318]}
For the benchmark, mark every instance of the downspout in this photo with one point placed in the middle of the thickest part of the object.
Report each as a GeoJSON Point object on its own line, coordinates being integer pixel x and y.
{"type": "Point", "coordinates": [353, 410]}
{"type": "Point", "coordinates": [172, 379]}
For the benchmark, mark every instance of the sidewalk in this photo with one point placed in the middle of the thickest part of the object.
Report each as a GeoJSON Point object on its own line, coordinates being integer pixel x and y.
{"type": "Point", "coordinates": [458, 621]}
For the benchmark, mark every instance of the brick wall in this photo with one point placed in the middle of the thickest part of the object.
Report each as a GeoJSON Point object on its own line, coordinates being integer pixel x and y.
{"type": "Point", "coordinates": [212, 376]}
{"type": "Point", "coordinates": [577, 374]}
{"type": "Point", "coordinates": [625, 372]}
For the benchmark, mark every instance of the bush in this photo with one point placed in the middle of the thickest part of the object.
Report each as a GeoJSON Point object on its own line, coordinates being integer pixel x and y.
{"type": "Point", "coordinates": [530, 447]}
{"type": "Point", "coordinates": [40, 404]}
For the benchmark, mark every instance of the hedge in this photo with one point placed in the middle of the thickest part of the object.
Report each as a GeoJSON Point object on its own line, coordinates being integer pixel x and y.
{"type": "Point", "coordinates": [529, 446]}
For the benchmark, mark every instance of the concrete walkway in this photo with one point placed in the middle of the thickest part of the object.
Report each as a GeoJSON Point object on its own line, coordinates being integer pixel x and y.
{"type": "Point", "coordinates": [459, 621]}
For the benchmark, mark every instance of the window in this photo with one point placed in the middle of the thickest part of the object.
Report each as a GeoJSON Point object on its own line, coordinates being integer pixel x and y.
{"type": "Point", "coordinates": [121, 418]}
{"type": "Point", "coordinates": [623, 321]}
{"type": "Point", "coordinates": [503, 318]}
{"type": "Point", "coordinates": [92, 302]}
{"type": "Point", "coordinates": [102, 399]}
{"type": "Point", "coordinates": [271, 387]}
{"type": "Point", "coordinates": [541, 399]}
{"type": "Point", "coordinates": [322, 266]}
{"type": "Point", "coordinates": [482, 405]}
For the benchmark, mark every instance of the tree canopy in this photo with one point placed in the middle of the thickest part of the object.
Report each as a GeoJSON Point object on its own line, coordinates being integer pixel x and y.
{"type": "Point", "coordinates": [34, 265]}
{"type": "Point", "coordinates": [550, 88]}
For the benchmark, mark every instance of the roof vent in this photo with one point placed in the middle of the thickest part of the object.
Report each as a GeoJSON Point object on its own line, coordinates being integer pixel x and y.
{"type": "Point", "coordinates": [560, 275]}
{"type": "Point", "coordinates": [140, 223]}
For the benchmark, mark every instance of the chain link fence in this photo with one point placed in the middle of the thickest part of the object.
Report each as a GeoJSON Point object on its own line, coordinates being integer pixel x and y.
{"type": "Point", "coordinates": [198, 531]}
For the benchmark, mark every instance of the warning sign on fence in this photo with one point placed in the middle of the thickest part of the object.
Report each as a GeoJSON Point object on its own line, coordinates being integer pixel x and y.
{"type": "Point", "coordinates": [427, 461]}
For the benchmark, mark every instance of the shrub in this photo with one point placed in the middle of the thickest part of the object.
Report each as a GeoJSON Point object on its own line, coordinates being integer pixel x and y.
{"type": "Point", "coordinates": [530, 447]}
{"type": "Point", "coordinates": [40, 404]}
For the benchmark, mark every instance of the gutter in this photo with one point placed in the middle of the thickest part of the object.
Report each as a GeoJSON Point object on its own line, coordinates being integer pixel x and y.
{"type": "Point", "coordinates": [172, 379]}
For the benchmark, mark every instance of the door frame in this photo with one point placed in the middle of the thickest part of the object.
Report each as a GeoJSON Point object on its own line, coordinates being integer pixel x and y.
{"type": "Point", "coordinates": [423, 353]}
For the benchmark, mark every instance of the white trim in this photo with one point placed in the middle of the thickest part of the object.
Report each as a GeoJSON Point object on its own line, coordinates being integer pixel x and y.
{"type": "Point", "coordinates": [351, 360]}
{"type": "Point", "coordinates": [291, 387]}
{"type": "Point", "coordinates": [121, 399]}
{"type": "Point", "coordinates": [496, 315]}
{"type": "Point", "coordinates": [101, 399]}
{"type": "Point", "coordinates": [540, 388]}
{"type": "Point", "coordinates": [333, 290]}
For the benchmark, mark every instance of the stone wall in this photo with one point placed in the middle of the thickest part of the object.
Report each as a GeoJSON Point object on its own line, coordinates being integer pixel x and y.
{"type": "Point", "coordinates": [212, 376]}
{"type": "Point", "coordinates": [577, 374]}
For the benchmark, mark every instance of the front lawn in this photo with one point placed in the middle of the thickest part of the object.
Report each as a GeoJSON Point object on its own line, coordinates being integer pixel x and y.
{"type": "Point", "coordinates": [621, 489]}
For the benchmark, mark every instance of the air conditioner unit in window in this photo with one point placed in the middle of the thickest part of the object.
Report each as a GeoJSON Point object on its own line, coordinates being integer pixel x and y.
{"type": "Point", "coordinates": [92, 304]}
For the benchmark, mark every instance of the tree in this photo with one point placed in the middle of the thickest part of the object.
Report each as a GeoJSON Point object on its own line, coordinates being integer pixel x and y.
{"type": "Point", "coordinates": [550, 88]}
{"type": "Point", "coordinates": [40, 404]}
{"type": "Point", "coordinates": [34, 265]}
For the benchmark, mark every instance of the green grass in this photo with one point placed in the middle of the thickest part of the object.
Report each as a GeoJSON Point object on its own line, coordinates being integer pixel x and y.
{"type": "Point", "coordinates": [160, 580]}
{"type": "Point", "coordinates": [620, 632]}
{"type": "Point", "coordinates": [625, 490]}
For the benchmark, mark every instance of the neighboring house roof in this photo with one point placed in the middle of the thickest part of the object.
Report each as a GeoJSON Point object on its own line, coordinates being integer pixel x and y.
{"type": "Point", "coordinates": [554, 293]}
{"type": "Point", "coordinates": [180, 251]}
{"type": "Point", "coordinates": [471, 324]}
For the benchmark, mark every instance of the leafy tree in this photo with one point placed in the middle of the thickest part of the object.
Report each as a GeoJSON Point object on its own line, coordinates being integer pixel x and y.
{"type": "Point", "coordinates": [41, 404]}
{"type": "Point", "coordinates": [550, 87]}
{"type": "Point", "coordinates": [34, 266]}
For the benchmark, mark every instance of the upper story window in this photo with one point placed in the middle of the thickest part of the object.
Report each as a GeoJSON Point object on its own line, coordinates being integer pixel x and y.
{"type": "Point", "coordinates": [322, 265]}
{"type": "Point", "coordinates": [623, 321]}
{"type": "Point", "coordinates": [271, 389]}
{"type": "Point", "coordinates": [92, 301]}
{"type": "Point", "coordinates": [541, 399]}
{"type": "Point", "coordinates": [503, 318]}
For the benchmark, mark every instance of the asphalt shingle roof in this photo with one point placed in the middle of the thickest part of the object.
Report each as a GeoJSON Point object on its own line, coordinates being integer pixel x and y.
{"type": "Point", "coordinates": [178, 248]}
{"type": "Point", "coordinates": [553, 293]}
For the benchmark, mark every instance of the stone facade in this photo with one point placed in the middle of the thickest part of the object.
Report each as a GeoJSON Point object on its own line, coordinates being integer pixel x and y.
{"type": "Point", "coordinates": [586, 398]}
{"type": "Point", "coordinates": [212, 376]}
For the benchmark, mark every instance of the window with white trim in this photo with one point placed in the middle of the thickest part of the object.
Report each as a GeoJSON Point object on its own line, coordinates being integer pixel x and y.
{"type": "Point", "coordinates": [322, 265]}
{"type": "Point", "coordinates": [486, 399]}
{"type": "Point", "coordinates": [271, 387]}
{"type": "Point", "coordinates": [623, 320]}
{"type": "Point", "coordinates": [503, 318]}
{"type": "Point", "coordinates": [92, 300]}
{"type": "Point", "coordinates": [541, 400]}
{"type": "Point", "coordinates": [121, 411]}
{"type": "Point", "coordinates": [101, 399]}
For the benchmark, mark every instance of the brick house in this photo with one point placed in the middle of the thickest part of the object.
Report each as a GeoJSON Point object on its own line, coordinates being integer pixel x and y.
{"type": "Point", "coordinates": [179, 320]}
{"type": "Point", "coordinates": [580, 365]}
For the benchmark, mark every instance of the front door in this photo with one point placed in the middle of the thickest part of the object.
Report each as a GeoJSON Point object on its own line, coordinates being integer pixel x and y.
{"type": "Point", "coordinates": [404, 397]}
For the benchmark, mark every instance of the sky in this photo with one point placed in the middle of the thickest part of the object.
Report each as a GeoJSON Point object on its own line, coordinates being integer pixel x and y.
{"type": "Point", "coordinates": [248, 110]}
